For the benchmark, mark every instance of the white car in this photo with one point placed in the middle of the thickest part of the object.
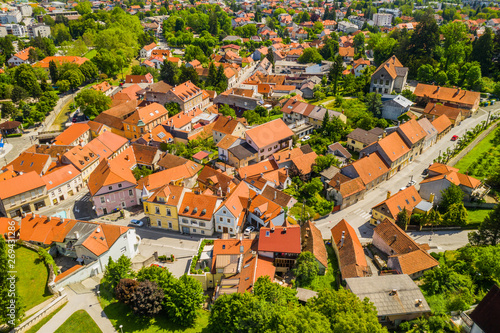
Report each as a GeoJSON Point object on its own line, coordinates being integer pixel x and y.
{"type": "Point", "coordinates": [411, 183]}
{"type": "Point", "coordinates": [137, 223]}
{"type": "Point", "coordinates": [248, 231]}
{"type": "Point", "coordinates": [307, 137]}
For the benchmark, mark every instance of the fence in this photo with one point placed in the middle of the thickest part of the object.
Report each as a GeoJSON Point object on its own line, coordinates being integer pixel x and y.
{"type": "Point", "coordinates": [37, 317]}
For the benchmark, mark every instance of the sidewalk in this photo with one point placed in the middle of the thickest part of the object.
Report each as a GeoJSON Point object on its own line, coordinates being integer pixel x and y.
{"type": "Point", "coordinates": [80, 301]}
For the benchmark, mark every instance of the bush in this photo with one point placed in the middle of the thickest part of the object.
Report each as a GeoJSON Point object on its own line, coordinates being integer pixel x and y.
{"type": "Point", "coordinates": [125, 289]}
{"type": "Point", "coordinates": [147, 299]}
{"type": "Point", "coordinates": [162, 258]}
{"type": "Point", "coordinates": [47, 259]}
{"type": "Point", "coordinates": [15, 135]}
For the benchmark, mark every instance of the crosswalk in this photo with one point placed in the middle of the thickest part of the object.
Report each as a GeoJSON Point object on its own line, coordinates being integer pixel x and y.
{"type": "Point", "coordinates": [365, 215]}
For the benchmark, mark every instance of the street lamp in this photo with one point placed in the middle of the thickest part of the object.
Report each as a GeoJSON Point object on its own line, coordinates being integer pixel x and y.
{"type": "Point", "coordinates": [98, 294]}
{"type": "Point", "coordinates": [121, 328]}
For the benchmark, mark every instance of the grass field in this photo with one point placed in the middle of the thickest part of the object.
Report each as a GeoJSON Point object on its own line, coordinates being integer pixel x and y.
{"type": "Point", "coordinates": [477, 215]}
{"type": "Point", "coordinates": [329, 280]}
{"type": "Point", "coordinates": [42, 322]}
{"type": "Point", "coordinates": [120, 314]}
{"type": "Point", "coordinates": [79, 322]}
{"type": "Point", "coordinates": [484, 157]}
{"type": "Point", "coordinates": [89, 55]}
{"type": "Point", "coordinates": [33, 275]}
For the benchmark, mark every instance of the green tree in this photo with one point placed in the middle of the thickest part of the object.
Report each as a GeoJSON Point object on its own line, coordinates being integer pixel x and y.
{"type": "Point", "coordinates": [270, 55]}
{"type": "Point", "coordinates": [489, 230]}
{"type": "Point", "coordinates": [89, 70]}
{"type": "Point", "coordinates": [425, 38]}
{"type": "Point", "coordinates": [183, 301]}
{"type": "Point", "coordinates": [403, 219]}
{"type": "Point", "coordinates": [63, 85]}
{"type": "Point", "coordinates": [336, 72]}
{"type": "Point", "coordinates": [159, 275]}
{"type": "Point", "coordinates": [141, 172]}
{"type": "Point", "coordinates": [18, 94]}
{"type": "Point", "coordinates": [92, 102]}
{"type": "Point", "coordinates": [74, 77]}
{"type": "Point", "coordinates": [441, 78]}
{"type": "Point", "coordinates": [455, 215]}
{"type": "Point", "coordinates": [25, 77]}
{"type": "Point", "coordinates": [212, 76]}
{"type": "Point", "coordinates": [221, 80]}
{"type": "Point", "coordinates": [188, 74]}
{"type": "Point", "coordinates": [310, 55]}
{"type": "Point", "coordinates": [273, 292]}
{"type": "Point", "coordinates": [173, 108]}
{"type": "Point", "coordinates": [374, 104]}
{"type": "Point", "coordinates": [54, 74]}
{"type": "Point", "coordinates": [483, 50]}
{"type": "Point", "coordinates": [323, 162]}
{"type": "Point", "coordinates": [306, 268]}
{"type": "Point", "coordinates": [146, 300]}
{"type": "Point", "coordinates": [314, 186]}
{"type": "Point", "coordinates": [449, 196]}
{"type": "Point", "coordinates": [168, 72]}
{"type": "Point", "coordinates": [84, 8]}
{"type": "Point", "coordinates": [425, 73]}
{"type": "Point", "coordinates": [117, 270]}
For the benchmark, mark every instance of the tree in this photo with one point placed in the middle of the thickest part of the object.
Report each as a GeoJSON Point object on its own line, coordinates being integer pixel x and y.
{"type": "Point", "coordinates": [359, 43]}
{"type": "Point", "coordinates": [227, 111]}
{"type": "Point", "coordinates": [168, 72]}
{"type": "Point", "coordinates": [483, 50]}
{"type": "Point", "coordinates": [18, 94]}
{"type": "Point", "coordinates": [173, 108]}
{"type": "Point", "coordinates": [310, 55]}
{"type": "Point", "coordinates": [270, 55]}
{"type": "Point", "coordinates": [183, 301]}
{"type": "Point", "coordinates": [403, 219]}
{"type": "Point", "coordinates": [125, 290]}
{"type": "Point", "coordinates": [306, 268]}
{"type": "Point", "coordinates": [74, 77]}
{"type": "Point", "coordinates": [313, 187]}
{"type": "Point", "coordinates": [117, 270]}
{"type": "Point", "coordinates": [304, 320]}
{"type": "Point", "coordinates": [425, 73]}
{"type": "Point", "coordinates": [346, 312]}
{"type": "Point", "coordinates": [455, 215]}
{"type": "Point", "coordinates": [8, 109]}
{"type": "Point", "coordinates": [159, 275]}
{"type": "Point", "coordinates": [25, 77]}
{"type": "Point", "coordinates": [212, 75]}
{"type": "Point", "coordinates": [336, 72]}
{"type": "Point", "coordinates": [188, 74]}
{"type": "Point", "coordinates": [323, 162]}
{"type": "Point", "coordinates": [221, 79]}
{"type": "Point", "coordinates": [141, 172]}
{"type": "Point", "coordinates": [425, 39]}
{"type": "Point", "coordinates": [441, 78]}
{"type": "Point", "coordinates": [84, 8]}
{"type": "Point", "coordinates": [63, 85]}
{"type": "Point", "coordinates": [147, 299]}
{"type": "Point", "coordinates": [489, 230]}
{"type": "Point", "coordinates": [92, 102]}
{"type": "Point", "coordinates": [274, 293]}
{"type": "Point", "coordinates": [53, 71]}
{"type": "Point", "coordinates": [449, 196]}
{"type": "Point", "coordinates": [374, 104]}
{"type": "Point", "coordinates": [89, 70]}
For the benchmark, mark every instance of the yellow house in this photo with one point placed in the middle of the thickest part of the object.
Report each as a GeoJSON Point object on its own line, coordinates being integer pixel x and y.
{"type": "Point", "coordinates": [358, 139]}
{"type": "Point", "coordinates": [162, 206]}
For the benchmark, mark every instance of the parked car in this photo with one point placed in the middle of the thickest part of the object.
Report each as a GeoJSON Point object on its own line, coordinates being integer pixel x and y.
{"type": "Point", "coordinates": [454, 138]}
{"type": "Point", "coordinates": [137, 223]}
{"type": "Point", "coordinates": [307, 137]}
{"type": "Point", "coordinates": [425, 172]}
{"type": "Point", "coordinates": [248, 230]}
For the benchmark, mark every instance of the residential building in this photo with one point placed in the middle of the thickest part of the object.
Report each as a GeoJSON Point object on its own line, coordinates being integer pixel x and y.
{"type": "Point", "coordinates": [143, 120]}
{"type": "Point", "coordinates": [216, 181]}
{"type": "Point", "coordinates": [226, 125]}
{"type": "Point", "coordinates": [162, 207]}
{"type": "Point", "coordinates": [27, 162]}
{"type": "Point", "coordinates": [359, 66]}
{"type": "Point", "coordinates": [236, 152]}
{"type": "Point", "coordinates": [104, 87]}
{"type": "Point", "coordinates": [404, 255]}
{"type": "Point", "coordinates": [390, 208]}
{"type": "Point", "coordinates": [280, 243]}
{"type": "Point", "coordinates": [59, 60]}
{"type": "Point", "coordinates": [230, 216]}
{"type": "Point", "coordinates": [240, 99]}
{"type": "Point", "coordinates": [279, 197]}
{"type": "Point", "coordinates": [382, 20]}
{"type": "Point", "coordinates": [157, 92]}
{"type": "Point", "coordinates": [345, 191]}
{"type": "Point", "coordinates": [264, 212]}
{"type": "Point", "coordinates": [431, 132]}
{"type": "Point", "coordinates": [390, 76]}
{"type": "Point", "coordinates": [22, 194]}
{"type": "Point", "coordinates": [360, 138]}
{"type": "Point", "coordinates": [21, 57]}
{"type": "Point", "coordinates": [13, 16]}
{"type": "Point", "coordinates": [112, 187]}
{"type": "Point", "coordinates": [484, 315]}
{"type": "Point", "coordinates": [62, 183]}
{"type": "Point", "coordinates": [371, 169]}
{"type": "Point", "coordinates": [145, 52]}
{"type": "Point", "coordinates": [147, 78]}
{"type": "Point", "coordinates": [17, 30]}
{"type": "Point", "coordinates": [349, 251]}
{"type": "Point", "coordinates": [414, 136]}
{"type": "Point", "coordinates": [196, 214]}
{"type": "Point", "coordinates": [340, 153]}
{"type": "Point", "coordinates": [394, 106]}
{"type": "Point", "coordinates": [312, 241]}
{"type": "Point", "coordinates": [454, 97]}
{"type": "Point", "coordinates": [83, 159]}
{"type": "Point", "coordinates": [396, 297]}
{"type": "Point", "coordinates": [38, 30]}
{"type": "Point", "coordinates": [443, 125]}
{"type": "Point", "coordinates": [434, 110]}
{"type": "Point", "coordinates": [187, 95]}
{"type": "Point", "coordinates": [108, 145]}
{"type": "Point", "coordinates": [76, 134]}
{"type": "Point", "coordinates": [346, 27]}
{"type": "Point", "coordinates": [269, 138]}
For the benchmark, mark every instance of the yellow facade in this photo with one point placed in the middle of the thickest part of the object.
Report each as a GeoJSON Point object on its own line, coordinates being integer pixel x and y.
{"type": "Point", "coordinates": [162, 215]}
{"type": "Point", "coordinates": [378, 216]}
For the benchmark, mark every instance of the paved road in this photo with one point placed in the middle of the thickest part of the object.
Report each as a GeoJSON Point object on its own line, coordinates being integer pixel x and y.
{"type": "Point", "coordinates": [358, 214]}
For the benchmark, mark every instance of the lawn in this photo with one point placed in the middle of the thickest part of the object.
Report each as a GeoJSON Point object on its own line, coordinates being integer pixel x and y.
{"type": "Point", "coordinates": [42, 322]}
{"type": "Point", "coordinates": [330, 279]}
{"type": "Point", "coordinates": [477, 215]}
{"type": "Point", "coordinates": [120, 314]}
{"type": "Point", "coordinates": [325, 101]}
{"type": "Point", "coordinates": [33, 275]}
{"type": "Point", "coordinates": [482, 159]}
{"type": "Point", "coordinates": [63, 117]}
{"type": "Point", "coordinates": [79, 322]}
{"type": "Point", "coordinates": [92, 53]}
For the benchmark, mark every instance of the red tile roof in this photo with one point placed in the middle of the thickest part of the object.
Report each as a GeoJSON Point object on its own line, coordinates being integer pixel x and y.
{"type": "Point", "coordinates": [407, 198]}
{"type": "Point", "coordinates": [370, 168]}
{"type": "Point", "coordinates": [71, 134]}
{"type": "Point", "coordinates": [20, 184]}
{"type": "Point", "coordinates": [284, 239]}
{"type": "Point", "coordinates": [269, 133]}
{"type": "Point", "coordinates": [351, 256]}
{"type": "Point", "coordinates": [454, 95]}
{"type": "Point", "coordinates": [442, 123]}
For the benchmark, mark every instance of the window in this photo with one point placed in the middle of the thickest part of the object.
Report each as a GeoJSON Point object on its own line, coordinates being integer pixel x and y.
{"type": "Point", "coordinates": [194, 230]}
{"type": "Point", "coordinates": [110, 188]}
{"type": "Point", "coordinates": [102, 199]}
{"type": "Point", "coordinates": [120, 185]}
{"type": "Point", "coordinates": [194, 222]}
{"type": "Point", "coordinates": [130, 193]}
{"type": "Point", "coordinates": [170, 225]}
{"type": "Point", "coordinates": [228, 220]}
{"type": "Point", "coordinates": [168, 212]}
{"type": "Point", "coordinates": [202, 224]}
{"type": "Point", "coordinates": [158, 222]}
{"type": "Point", "coordinates": [123, 204]}
{"type": "Point", "coordinates": [134, 129]}
{"type": "Point", "coordinates": [218, 228]}
{"type": "Point", "coordinates": [230, 229]}
{"type": "Point", "coordinates": [185, 221]}
{"type": "Point", "coordinates": [123, 249]}
{"type": "Point", "coordinates": [203, 232]}
{"type": "Point", "coordinates": [68, 186]}
{"type": "Point", "coordinates": [275, 146]}
{"type": "Point", "coordinates": [262, 150]}
{"type": "Point", "coordinates": [157, 210]}
{"type": "Point", "coordinates": [221, 219]}
{"type": "Point", "coordinates": [386, 82]}
{"type": "Point", "coordinates": [269, 149]}
{"type": "Point", "coordinates": [128, 127]}
{"type": "Point", "coordinates": [59, 191]}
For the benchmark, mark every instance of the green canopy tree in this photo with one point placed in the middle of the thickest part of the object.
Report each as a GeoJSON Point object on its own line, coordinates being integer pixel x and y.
{"type": "Point", "coordinates": [306, 268]}
{"type": "Point", "coordinates": [455, 215]}
{"type": "Point", "coordinates": [117, 270]}
{"type": "Point", "coordinates": [183, 300]}
{"type": "Point", "coordinates": [374, 104]}
{"type": "Point", "coordinates": [310, 55]}
{"type": "Point", "coordinates": [489, 230]}
{"type": "Point", "coordinates": [453, 194]}
{"type": "Point", "coordinates": [92, 102]}
{"type": "Point", "coordinates": [168, 72]}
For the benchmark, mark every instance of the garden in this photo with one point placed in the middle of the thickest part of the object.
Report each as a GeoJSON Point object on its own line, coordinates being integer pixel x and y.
{"type": "Point", "coordinates": [331, 279]}
{"type": "Point", "coordinates": [79, 322]}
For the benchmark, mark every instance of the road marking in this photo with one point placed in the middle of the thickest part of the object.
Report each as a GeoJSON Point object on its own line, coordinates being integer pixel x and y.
{"type": "Point", "coordinates": [362, 213]}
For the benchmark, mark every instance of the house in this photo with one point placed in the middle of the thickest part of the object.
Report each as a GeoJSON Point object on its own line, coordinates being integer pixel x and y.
{"type": "Point", "coordinates": [360, 138]}
{"type": "Point", "coordinates": [350, 254]}
{"type": "Point", "coordinates": [394, 106]}
{"type": "Point", "coordinates": [433, 186]}
{"type": "Point", "coordinates": [393, 150]}
{"type": "Point", "coordinates": [27, 162]}
{"type": "Point", "coordinates": [22, 194]}
{"type": "Point", "coordinates": [187, 95]}
{"type": "Point", "coordinates": [147, 78]}
{"type": "Point", "coordinates": [396, 297]}
{"type": "Point", "coordinates": [103, 87]}
{"type": "Point", "coordinates": [413, 135]}
{"type": "Point", "coordinates": [431, 132]}
{"type": "Point", "coordinates": [346, 26]}
{"type": "Point", "coordinates": [294, 111]}
{"type": "Point", "coordinates": [62, 183]}
{"type": "Point", "coordinates": [371, 169]}
{"type": "Point", "coordinates": [10, 127]}
{"type": "Point", "coordinates": [404, 255]}
{"type": "Point", "coordinates": [434, 110]}
{"type": "Point", "coordinates": [145, 52]}
{"type": "Point", "coordinates": [454, 97]}
{"type": "Point", "coordinates": [230, 216]}
{"type": "Point", "coordinates": [156, 137]}
{"type": "Point", "coordinates": [157, 92]}
{"type": "Point", "coordinates": [484, 316]}
{"type": "Point", "coordinates": [345, 191]}
{"type": "Point", "coordinates": [112, 187]}
{"type": "Point", "coordinates": [280, 243]}
{"type": "Point", "coordinates": [76, 134]}
{"type": "Point", "coordinates": [59, 60]}
{"type": "Point", "coordinates": [214, 180]}
{"type": "Point", "coordinates": [163, 205]}
{"type": "Point", "coordinates": [83, 159]}
{"type": "Point", "coordinates": [279, 197]}
{"type": "Point", "coordinates": [390, 76]}
{"type": "Point", "coordinates": [21, 57]}
{"type": "Point", "coordinates": [359, 66]}
{"type": "Point", "coordinates": [143, 120]}
{"type": "Point", "coordinates": [264, 212]}
{"type": "Point", "coordinates": [390, 208]}
{"type": "Point", "coordinates": [443, 125]}
{"type": "Point", "coordinates": [108, 145]}
{"type": "Point", "coordinates": [226, 125]}
{"type": "Point", "coordinates": [196, 214]}
{"type": "Point", "coordinates": [269, 138]}
{"type": "Point", "coordinates": [340, 153]}
{"type": "Point", "coordinates": [347, 54]}
{"type": "Point", "coordinates": [312, 241]}
{"type": "Point", "coordinates": [240, 99]}
{"type": "Point", "coordinates": [236, 152]}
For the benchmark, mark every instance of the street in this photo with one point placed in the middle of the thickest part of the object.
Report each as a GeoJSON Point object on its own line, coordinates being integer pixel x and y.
{"type": "Point", "coordinates": [359, 214]}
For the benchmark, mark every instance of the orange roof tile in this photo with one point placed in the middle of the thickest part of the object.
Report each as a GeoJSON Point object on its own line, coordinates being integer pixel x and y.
{"type": "Point", "coordinates": [282, 239]}
{"type": "Point", "coordinates": [370, 168]}
{"type": "Point", "coordinates": [413, 131]}
{"type": "Point", "coordinates": [198, 206]}
{"type": "Point", "coordinates": [351, 256]}
{"type": "Point", "coordinates": [393, 146]}
{"type": "Point", "coordinates": [407, 198]}
{"type": "Point", "coordinates": [455, 95]}
{"type": "Point", "coordinates": [108, 173]}
{"type": "Point", "coordinates": [59, 60]}
{"type": "Point", "coordinates": [269, 133]}
{"type": "Point", "coordinates": [60, 176]}
{"type": "Point", "coordinates": [314, 242]}
{"type": "Point", "coordinates": [71, 134]}
{"type": "Point", "coordinates": [27, 162]}
{"type": "Point", "coordinates": [442, 123]}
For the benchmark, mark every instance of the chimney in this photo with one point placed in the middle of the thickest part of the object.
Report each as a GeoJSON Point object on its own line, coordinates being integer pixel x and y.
{"type": "Point", "coordinates": [394, 292]}
{"type": "Point", "coordinates": [388, 194]}
{"type": "Point", "coordinates": [338, 183]}
{"type": "Point", "coordinates": [342, 239]}
{"type": "Point", "coordinates": [431, 198]}
{"type": "Point", "coordinates": [384, 134]}
{"type": "Point", "coordinates": [275, 195]}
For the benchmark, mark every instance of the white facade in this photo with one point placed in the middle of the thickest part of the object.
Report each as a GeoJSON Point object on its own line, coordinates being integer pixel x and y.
{"type": "Point", "coordinates": [13, 16]}
{"type": "Point", "coordinates": [189, 225]}
{"type": "Point", "coordinates": [16, 61]}
{"type": "Point", "coordinates": [26, 10]}
{"type": "Point", "coordinates": [36, 30]}
{"type": "Point", "coordinates": [65, 190]}
{"type": "Point", "coordinates": [225, 221]}
{"type": "Point", "coordinates": [16, 30]}
{"type": "Point", "coordinates": [3, 31]}
{"type": "Point", "coordinates": [382, 20]}
{"type": "Point", "coordinates": [347, 27]}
